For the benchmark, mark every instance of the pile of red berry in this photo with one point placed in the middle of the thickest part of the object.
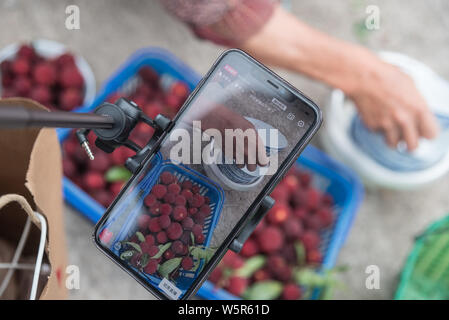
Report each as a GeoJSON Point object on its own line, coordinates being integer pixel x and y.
{"type": "Point", "coordinates": [91, 175]}
{"type": "Point", "coordinates": [175, 215]}
{"type": "Point", "coordinates": [300, 213]}
{"type": "Point", "coordinates": [56, 83]}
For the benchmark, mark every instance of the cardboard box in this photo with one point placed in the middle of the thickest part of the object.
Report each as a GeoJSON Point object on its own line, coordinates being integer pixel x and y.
{"type": "Point", "coordinates": [30, 180]}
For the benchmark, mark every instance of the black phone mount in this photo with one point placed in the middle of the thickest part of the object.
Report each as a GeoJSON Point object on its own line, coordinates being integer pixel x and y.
{"type": "Point", "coordinates": [126, 115]}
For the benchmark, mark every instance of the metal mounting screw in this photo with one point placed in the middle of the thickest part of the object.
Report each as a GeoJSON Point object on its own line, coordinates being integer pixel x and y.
{"type": "Point", "coordinates": [89, 152]}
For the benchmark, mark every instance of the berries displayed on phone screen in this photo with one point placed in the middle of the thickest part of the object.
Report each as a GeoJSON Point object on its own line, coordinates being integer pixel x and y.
{"type": "Point", "coordinates": [293, 225]}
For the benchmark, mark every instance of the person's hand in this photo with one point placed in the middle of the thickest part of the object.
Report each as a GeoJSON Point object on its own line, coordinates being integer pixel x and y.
{"type": "Point", "coordinates": [388, 101]}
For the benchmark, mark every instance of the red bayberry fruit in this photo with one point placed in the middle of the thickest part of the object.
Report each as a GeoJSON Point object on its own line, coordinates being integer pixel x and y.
{"type": "Point", "coordinates": [20, 66]}
{"type": "Point", "coordinates": [100, 163]}
{"type": "Point", "coordinates": [164, 221]}
{"type": "Point", "coordinates": [199, 218]}
{"type": "Point", "coordinates": [149, 239]}
{"type": "Point", "coordinates": [105, 236]}
{"type": "Point", "coordinates": [159, 191]}
{"type": "Point", "coordinates": [326, 217]}
{"type": "Point", "coordinates": [168, 255]}
{"type": "Point", "coordinates": [27, 52]}
{"type": "Point", "coordinates": [177, 246]}
{"type": "Point", "coordinates": [313, 222]}
{"type": "Point", "coordinates": [151, 266]}
{"type": "Point", "coordinates": [216, 275]}
{"type": "Point", "coordinates": [278, 214]}
{"type": "Point", "coordinates": [250, 248]}
{"type": "Point", "coordinates": [261, 275]}
{"type": "Point", "coordinates": [186, 237]}
{"type": "Point", "coordinates": [174, 231]}
{"type": "Point", "coordinates": [22, 86]}
{"type": "Point", "coordinates": [41, 94]}
{"type": "Point", "coordinates": [179, 213]}
{"type": "Point", "coordinates": [187, 223]}
{"type": "Point", "coordinates": [154, 225]}
{"type": "Point", "coordinates": [68, 167]}
{"type": "Point", "coordinates": [237, 285]}
{"type": "Point", "coordinates": [70, 98]}
{"type": "Point", "coordinates": [187, 185]}
{"type": "Point", "coordinates": [44, 73]}
{"type": "Point", "coordinates": [143, 221]}
{"type": "Point", "coordinates": [161, 237]}
{"type": "Point", "coordinates": [167, 178]}
{"type": "Point", "coordinates": [150, 200]}
{"type": "Point", "coordinates": [66, 59]}
{"type": "Point", "coordinates": [187, 194]}
{"type": "Point", "coordinates": [314, 256]}
{"type": "Point", "coordinates": [310, 239]}
{"type": "Point", "coordinates": [149, 75]}
{"type": "Point", "coordinates": [180, 200]}
{"type": "Point", "coordinates": [199, 239]}
{"type": "Point", "coordinates": [153, 250]}
{"type": "Point", "coordinates": [196, 201]}
{"type": "Point", "coordinates": [300, 213]}
{"type": "Point", "coordinates": [313, 198]}
{"type": "Point", "coordinates": [292, 228]}
{"type": "Point", "coordinates": [170, 198]}
{"type": "Point", "coordinates": [280, 193]}
{"type": "Point", "coordinates": [70, 77]}
{"type": "Point", "coordinates": [327, 200]}
{"type": "Point", "coordinates": [270, 240]}
{"type": "Point", "coordinates": [165, 209]}
{"type": "Point", "coordinates": [94, 180]}
{"type": "Point", "coordinates": [193, 211]}
{"type": "Point", "coordinates": [205, 209]}
{"type": "Point", "coordinates": [195, 189]}
{"type": "Point", "coordinates": [305, 179]}
{"type": "Point", "coordinates": [233, 260]}
{"type": "Point", "coordinates": [197, 230]}
{"type": "Point", "coordinates": [187, 263]}
{"type": "Point", "coordinates": [155, 209]}
{"type": "Point", "coordinates": [275, 262]}
{"type": "Point", "coordinates": [174, 188]}
{"type": "Point", "coordinates": [291, 291]}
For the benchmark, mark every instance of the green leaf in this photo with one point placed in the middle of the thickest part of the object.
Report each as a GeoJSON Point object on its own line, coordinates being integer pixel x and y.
{"type": "Point", "coordinates": [202, 253]}
{"type": "Point", "coordinates": [140, 236]}
{"type": "Point", "coordinates": [134, 245]}
{"type": "Point", "coordinates": [162, 249]}
{"type": "Point", "coordinates": [126, 255]}
{"type": "Point", "coordinates": [263, 290]}
{"type": "Point", "coordinates": [192, 237]}
{"type": "Point", "coordinates": [300, 253]}
{"type": "Point", "coordinates": [144, 259]}
{"type": "Point", "coordinates": [251, 265]}
{"type": "Point", "coordinates": [168, 266]}
{"type": "Point", "coordinates": [117, 174]}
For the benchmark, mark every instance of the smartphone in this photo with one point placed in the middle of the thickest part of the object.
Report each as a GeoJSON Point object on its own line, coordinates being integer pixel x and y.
{"type": "Point", "coordinates": [230, 144]}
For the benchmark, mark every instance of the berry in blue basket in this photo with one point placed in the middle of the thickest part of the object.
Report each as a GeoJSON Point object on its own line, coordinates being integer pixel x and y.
{"type": "Point", "coordinates": [199, 239]}
{"type": "Point", "coordinates": [155, 209]}
{"type": "Point", "coordinates": [149, 239]}
{"type": "Point", "coordinates": [174, 188]}
{"type": "Point", "coordinates": [101, 162]}
{"type": "Point", "coordinates": [192, 211]}
{"type": "Point", "coordinates": [310, 239]}
{"type": "Point", "coordinates": [165, 209]}
{"type": "Point", "coordinates": [327, 200]}
{"type": "Point", "coordinates": [314, 256]}
{"type": "Point", "coordinates": [150, 200]}
{"type": "Point", "coordinates": [161, 237]}
{"type": "Point", "coordinates": [237, 285]}
{"type": "Point", "coordinates": [174, 231]}
{"type": "Point", "coordinates": [196, 201]}
{"type": "Point", "coordinates": [179, 213]}
{"type": "Point", "coordinates": [152, 250]}
{"type": "Point", "coordinates": [167, 178]}
{"type": "Point", "coordinates": [149, 75]}
{"type": "Point", "coordinates": [164, 221]}
{"type": "Point", "coordinates": [169, 254]}
{"type": "Point", "coordinates": [291, 182]}
{"type": "Point", "coordinates": [300, 213]}
{"type": "Point", "coordinates": [233, 260]}
{"type": "Point", "coordinates": [187, 263]}
{"type": "Point", "coordinates": [44, 73]}
{"type": "Point", "coordinates": [261, 275]}
{"type": "Point", "coordinates": [250, 248]}
{"type": "Point", "coordinates": [187, 194]}
{"type": "Point", "coordinates": [159, 191]}
{"type": "Point", "coordinates": [292, 228]}
{"type": "Point", "coordinates": [177, 247]}
{"type": "Point", "coordinates": [278, 214]}
{"type": "Point", "coordinates": [94, 181]}
{"type": "Point", "coordinates": [195, 189]}
{"type": "Point", "coordinates": [313, 222]}
{"type": "Point", "coordinates": [154, 225]}
{"type": "Point", "coordinates": [180, 200]}
{"type": "Point", "coordinates": [280, 193]}
{"type": "Point", "coordinates": [187, 223]}
{"type": "Point", "coordinates": [145, 246]}
{"type": "Point", "coordinates": [187, 185]}
{"type": "Point", "coordinates": [216, 275]}
{"type": "Point", "coordinates": [291, 291]}
{"type": "Point", "coordinates": [70, 77]}
{"type": "Point", "coordinates": [170, 198]}
{"type": "Point", "coordinates": [186, 237]}
{"type": "Point", "coordinates": [270, 239]}
{"type": "Point", "coordinates": [143, 221]}
{"type": "Point", "coordinates": [326, 217]}
{"type": "Point", "coordinates": [151, 266]}
{"type": "Point", "coordinates": [205, 209]}
{"type": "Point", "coordinates": [313, 198]}
{"type": "Point", "coordinates": [305, 178]}
{"type": "Point", "coordinates": [199, 218]}
{"type": "Point", "coordinates": [197, 229]}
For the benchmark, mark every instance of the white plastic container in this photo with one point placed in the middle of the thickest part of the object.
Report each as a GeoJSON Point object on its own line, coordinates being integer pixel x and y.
{"type": "Point", "coordinates": [338, 141]}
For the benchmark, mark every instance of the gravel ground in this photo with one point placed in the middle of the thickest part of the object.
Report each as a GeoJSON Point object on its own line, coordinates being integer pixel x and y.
{"type": "Point", "coordinates": [387, 222]}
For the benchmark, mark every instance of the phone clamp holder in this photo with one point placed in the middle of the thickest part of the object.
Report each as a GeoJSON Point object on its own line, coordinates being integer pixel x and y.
{"type": "Point", "coordinates": [254, 218]}
{"type": "Point", "coordinates": [126, 115]}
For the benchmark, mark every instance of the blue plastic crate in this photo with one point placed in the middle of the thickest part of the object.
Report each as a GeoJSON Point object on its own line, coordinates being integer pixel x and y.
{"type": "Point", "coordinates": [123, 79]}
{"type": "Point", "coordinates": [347, 191]}
{"type": "Point", "coordinates": [334, 178]}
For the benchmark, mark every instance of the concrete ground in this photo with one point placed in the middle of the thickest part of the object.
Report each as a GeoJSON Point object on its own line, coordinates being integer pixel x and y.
{"type": "Point", "coordinates": [387, 222]}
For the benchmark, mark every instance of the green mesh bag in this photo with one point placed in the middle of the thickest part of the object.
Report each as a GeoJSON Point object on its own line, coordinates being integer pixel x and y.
{"type": "Point", "coordinates": [426, 272]}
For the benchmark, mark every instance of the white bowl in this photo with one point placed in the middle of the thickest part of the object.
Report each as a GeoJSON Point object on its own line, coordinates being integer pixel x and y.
{"type": "Point", "coordinates": [51, 49]}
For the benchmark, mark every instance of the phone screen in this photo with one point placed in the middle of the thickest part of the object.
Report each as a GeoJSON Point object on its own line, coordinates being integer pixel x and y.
{"type": "Point", "coordinates": [231, 138]}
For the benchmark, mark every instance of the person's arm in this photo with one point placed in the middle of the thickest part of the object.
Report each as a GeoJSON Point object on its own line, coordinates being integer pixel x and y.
{"type": "Point", "coordinates": [386, 98]}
